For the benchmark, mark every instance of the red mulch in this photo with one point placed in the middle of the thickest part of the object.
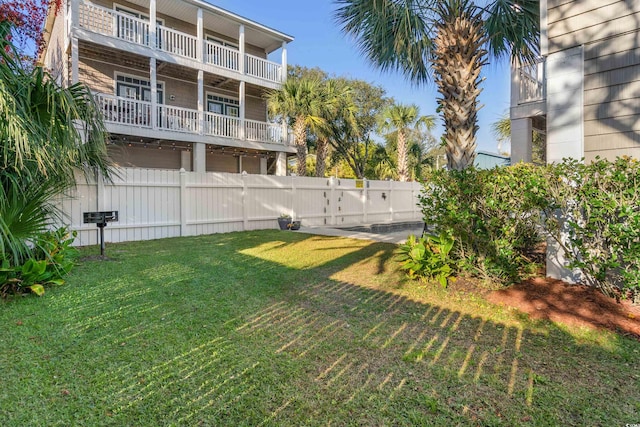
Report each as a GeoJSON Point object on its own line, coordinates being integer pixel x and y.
{"type": "Point", "coordinates": [570, 304]}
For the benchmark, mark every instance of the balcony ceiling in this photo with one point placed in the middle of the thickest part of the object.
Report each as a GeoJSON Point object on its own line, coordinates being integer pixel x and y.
{"type": "Point", "coordinates": [221, 21]}
{"type": "Point", "coordinates": [106, 54]}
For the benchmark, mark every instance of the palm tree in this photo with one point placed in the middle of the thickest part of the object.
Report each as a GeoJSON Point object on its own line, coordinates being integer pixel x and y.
{"type": "Point", "coordinates": [339, 108]}
{"type": "Point", "coordinates": [444, 40]}
{"type": "Point", "coordinates": [301, 102]}
{"type": "Point", "coordinates": [47, 133]}
{"type": "Point", "coordinates": [401, 119]}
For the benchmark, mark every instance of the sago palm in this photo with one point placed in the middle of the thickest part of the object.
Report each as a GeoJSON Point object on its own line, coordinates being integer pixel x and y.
{"type": "Point", "coordinates": [447, 41]}
{"type": "Point", "coordinates": [401, 119]}
{"type": "Point", "coordinates": [301, 102]}
{"type": "Point", "coordinates": [47, 133]}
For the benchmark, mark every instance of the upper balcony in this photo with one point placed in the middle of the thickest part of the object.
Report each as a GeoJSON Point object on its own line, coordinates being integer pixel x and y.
{"type": "Point", "coordinates": [228, 55]}
{"type": "Point", "coordinates": [528, 90]}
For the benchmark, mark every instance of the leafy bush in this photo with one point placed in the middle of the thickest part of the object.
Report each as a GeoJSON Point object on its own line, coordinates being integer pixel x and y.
{"type": "Point", "coordinates": [494, 216]}
{"type": "Point", "coordinates": [52, 257]}
{"type": "Point", "coordinates": [428, 257]}
{"type": "Point", "coordinates": [595, 218]}
{"type": "Point", "coordinates": [498, 217]}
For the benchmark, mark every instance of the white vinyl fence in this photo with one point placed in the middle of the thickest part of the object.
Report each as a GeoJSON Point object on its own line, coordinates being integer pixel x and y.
{"type": "Point", "coordinates": [154, 204]}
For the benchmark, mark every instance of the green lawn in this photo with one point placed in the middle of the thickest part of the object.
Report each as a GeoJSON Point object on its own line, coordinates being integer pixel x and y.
{"type": "Point", "coordinates": [281, 328]}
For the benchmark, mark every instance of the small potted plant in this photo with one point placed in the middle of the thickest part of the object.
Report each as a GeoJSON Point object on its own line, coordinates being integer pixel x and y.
{"type": "Point", "coordinates": [295, 225]}
{"type": "Point", "coordinates": [284, 221]}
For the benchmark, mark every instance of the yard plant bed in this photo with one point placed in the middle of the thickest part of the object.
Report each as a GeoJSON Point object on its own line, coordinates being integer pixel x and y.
{"type": "Point", "coordinates": [272, 328]}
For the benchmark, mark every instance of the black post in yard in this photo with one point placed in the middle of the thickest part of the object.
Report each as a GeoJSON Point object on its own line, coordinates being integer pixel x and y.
{"type": "Point", "coordinates": [100, 219]}
{"type": "Point", "coordinates": [101, 227]}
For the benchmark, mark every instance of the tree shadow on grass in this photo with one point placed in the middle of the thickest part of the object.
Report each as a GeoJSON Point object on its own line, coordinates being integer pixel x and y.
{"type": "Point", "coordinates": [235, 333]}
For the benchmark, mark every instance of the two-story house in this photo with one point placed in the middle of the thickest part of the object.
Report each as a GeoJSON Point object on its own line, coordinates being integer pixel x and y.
{"type": "Point", "coordinates": [180, 82]}
{"type": "Point", "coordinates": [584, 94]}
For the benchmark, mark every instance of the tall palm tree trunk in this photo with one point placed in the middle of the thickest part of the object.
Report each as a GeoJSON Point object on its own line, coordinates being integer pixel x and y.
{"type": "Point", "coordinates": [458, 60]}
{"type": "Point", "coordinates": [322, 149]}
{"type": "Point", "coordinates": [403, 169]}
{"type": "Point", "coordinates": [300, 138]}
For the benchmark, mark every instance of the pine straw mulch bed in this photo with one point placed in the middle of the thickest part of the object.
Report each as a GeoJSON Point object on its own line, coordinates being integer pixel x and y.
{"type": "Point", "coordinates": [579, 305]}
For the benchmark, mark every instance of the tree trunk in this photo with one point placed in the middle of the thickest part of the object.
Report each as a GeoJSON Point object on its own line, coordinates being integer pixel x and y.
{"type": "Point", "coordinates": [322, 148]}
{"type": "Point", "coordinates": [459, 58]}
{"type": "Point", "coordinates": [403, 170]}
{"type": "Point", "coordinates": [300, 139]}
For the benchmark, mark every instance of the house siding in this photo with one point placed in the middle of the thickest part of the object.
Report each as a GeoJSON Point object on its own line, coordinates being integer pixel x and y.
{"type": "Point", "coordinates": [609, 32]}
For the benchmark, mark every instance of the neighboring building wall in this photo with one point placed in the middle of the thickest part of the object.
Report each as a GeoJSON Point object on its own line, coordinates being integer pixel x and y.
{"type": "Point", "coordinates": [609, 31]}
{"type": "Point", "coordinates": [222, 163]}
{"type": "Point", "coordinates": [251, 165]}
{"type": "Point", "coordinates": [100, 78]}
{"type": "Point", "coordinates": [486, 160]}
{"type": "Point", "coordinates": [182, 26]}
{"type": "Point", "coordinates": [140, 157]}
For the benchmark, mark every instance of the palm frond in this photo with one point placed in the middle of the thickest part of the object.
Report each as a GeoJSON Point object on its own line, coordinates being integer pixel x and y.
{"type": "Point", "coordinates": [394, 35]}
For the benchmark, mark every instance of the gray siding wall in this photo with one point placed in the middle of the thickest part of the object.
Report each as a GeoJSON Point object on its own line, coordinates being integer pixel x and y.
{"type": "Point", "coordinates": [610, 33]}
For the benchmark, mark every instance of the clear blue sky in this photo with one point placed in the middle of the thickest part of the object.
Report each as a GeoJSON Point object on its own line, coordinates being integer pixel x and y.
{"type": "Point", "coordinates": [319, 43]}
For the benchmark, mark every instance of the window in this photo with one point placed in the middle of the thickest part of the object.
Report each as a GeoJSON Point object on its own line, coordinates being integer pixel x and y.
{"type": "Point", "coordinates": [137, 89]}
{"type": "Point", "coordinates": [224, 106]}
{"type": "Point", "coordinates": [221, 42]}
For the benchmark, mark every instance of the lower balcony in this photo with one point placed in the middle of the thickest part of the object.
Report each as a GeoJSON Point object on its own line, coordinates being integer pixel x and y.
{"type": "Point", "coordinates": [130, 112]}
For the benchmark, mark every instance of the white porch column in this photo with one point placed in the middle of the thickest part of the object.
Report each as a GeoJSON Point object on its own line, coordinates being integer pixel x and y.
{"type": "Point", "coordinates": [200, 45]}
{"type": "Point", "coordinates": [263, 165]}
{"type": "Point", "coordinates": [200, 102]}
{"type": "Point", "coordinates": [521, 140]}
{"type": "Point", "coordinates": [73, 23]}
{"type": "Point", "coordinates": [565, 104]}
{"type": "Point", "coordinates": [153, 72]}
{"type": "Point", "coordinates": [75, 12]}
{"type": "Point", "coordinates": [152, 24]}
{"type": "Point", "coordinates": [285, 133]}
{"type": "Point", "coordinates": [283, 77]}
{"type": "Point", "coordinates": [241, 64]}
{"type": "Point", "coordinates": [185, 160]}
{"type": "Point", "coordinates": [75, 69]}
{"type": "Point", "coordinates": [199, 157]}
{"type": "Point", "coordinates": [544, 34]}
{"type": "Point", "coordinates": [281, 164]}
{"type": "Point", "coordinates": [241, 97]}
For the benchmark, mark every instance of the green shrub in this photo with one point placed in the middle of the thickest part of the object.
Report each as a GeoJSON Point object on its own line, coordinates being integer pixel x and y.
{"type": "Point", "coordinates": [494, 216]}
{"type": "Point", "coordinates": [428, 257]}
{"type": "Point", "coordinates": [597, 208]}
{"type": "Point", "coordinates": [498, 217]}
{"type": "Point", "coordinates": [51, 258]}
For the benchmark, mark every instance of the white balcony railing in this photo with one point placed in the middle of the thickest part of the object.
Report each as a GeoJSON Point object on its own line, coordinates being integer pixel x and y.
{"type": "Point", "coordinates": [177, 119]}
{"type": "Point", "coordinates": [221, 56]}
{"type": "Point", "coordinates": [262, 131]}
{"type": "Point", "coordinates": [124, 111]}
{"type": "Point", "coordinates": [219, 125]}
{"type": "Point", "coordinates": [532, 82]}
{"type": "Point", "coordinates": [108, 22]}
{"type": "Point", "coordinates": [131, 112]}
{"type": "Point", "coordinates": [177, 43]}
{"type": "Point", "coordinates": [262, 68]}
